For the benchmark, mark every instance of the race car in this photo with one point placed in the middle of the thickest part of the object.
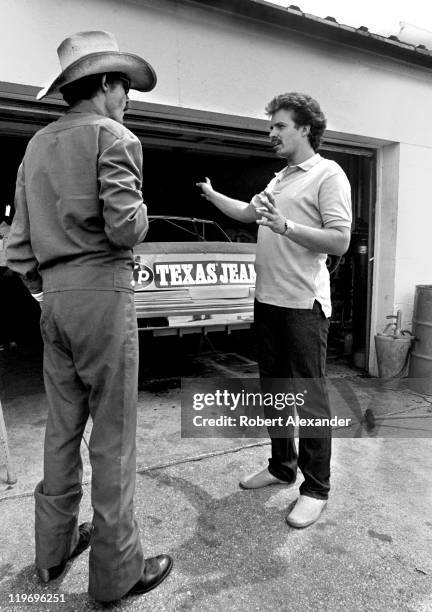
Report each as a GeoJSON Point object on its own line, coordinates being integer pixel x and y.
{"type": "Point", "coordinates": [191, 277]}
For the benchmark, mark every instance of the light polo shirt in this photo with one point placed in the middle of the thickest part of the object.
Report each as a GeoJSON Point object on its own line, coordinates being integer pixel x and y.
{"type": "Point", "coordinates": [315, 193]}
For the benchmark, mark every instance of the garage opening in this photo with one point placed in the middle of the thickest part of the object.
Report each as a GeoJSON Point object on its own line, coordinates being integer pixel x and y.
{"type": "Point", "coordinates": [19, 312]}
{"type": "Point", "coordinates": [234, 153]}
{"type": "Point", "coordinates": [172, 191]}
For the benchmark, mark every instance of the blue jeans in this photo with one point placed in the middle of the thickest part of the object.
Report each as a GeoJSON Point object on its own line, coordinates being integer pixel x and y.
{"type": "Point", "coordinates": [292, 344]}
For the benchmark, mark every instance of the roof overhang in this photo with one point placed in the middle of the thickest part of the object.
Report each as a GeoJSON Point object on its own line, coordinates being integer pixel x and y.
{"type": "Point", "coordinates": [21, 115]}
{"type": "Point", "coordinates": [293, 18]}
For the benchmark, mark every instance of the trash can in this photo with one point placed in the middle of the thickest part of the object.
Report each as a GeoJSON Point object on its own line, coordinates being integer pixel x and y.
{"type": "Point", "coordinates": [392, 355]}
{"type": "Point", "coordinates": [420, 371]}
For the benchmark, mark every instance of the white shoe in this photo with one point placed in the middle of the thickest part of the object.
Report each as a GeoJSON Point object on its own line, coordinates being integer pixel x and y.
{"type": "Point", "coordinates": [306, 511]}
{"type": "Point", "coordinates": [260, 479]}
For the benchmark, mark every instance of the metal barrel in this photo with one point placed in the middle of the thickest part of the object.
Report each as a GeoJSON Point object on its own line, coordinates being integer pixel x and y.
{"type": "Point", "coordinates": [421, 357]}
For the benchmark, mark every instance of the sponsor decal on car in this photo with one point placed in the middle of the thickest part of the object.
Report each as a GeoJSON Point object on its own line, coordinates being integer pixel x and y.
{"type": "Point", "coordinates": [192, 273]}
{"type": "Point", "coordinates": [143, 275]}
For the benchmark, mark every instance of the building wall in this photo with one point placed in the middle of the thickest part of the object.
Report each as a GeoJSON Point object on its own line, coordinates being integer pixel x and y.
{"type": "Point", "coordinates": [211, 60]}
{"type": "Point", "coordinates": [414, 235]}
{"type": "Point", "coordinates": [214, 61]}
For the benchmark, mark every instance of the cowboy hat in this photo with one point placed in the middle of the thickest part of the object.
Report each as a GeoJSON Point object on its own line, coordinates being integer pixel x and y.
{"type": "Point", "coordinates": [97, 52]}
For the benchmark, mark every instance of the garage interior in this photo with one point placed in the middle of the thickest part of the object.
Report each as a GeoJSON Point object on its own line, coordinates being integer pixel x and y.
{"type": "Point", "coordinates": [234, 153]}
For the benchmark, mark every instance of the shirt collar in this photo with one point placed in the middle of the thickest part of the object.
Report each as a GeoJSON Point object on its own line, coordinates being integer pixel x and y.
{"type": "Point", "coordinates": [311, 162]}
{"type": "Point", "coordinates": [84, 106]}
{"type": "Point", "coordinates": [306, 165]}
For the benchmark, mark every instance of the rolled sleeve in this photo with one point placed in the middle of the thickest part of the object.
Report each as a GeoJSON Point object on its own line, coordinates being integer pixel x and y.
{"type": "Point", "coordinates": [19, 252]}
{"type": "Point", "coordinates": [335, 201]}
{"type": "Point", "coordinates": [119, 172]}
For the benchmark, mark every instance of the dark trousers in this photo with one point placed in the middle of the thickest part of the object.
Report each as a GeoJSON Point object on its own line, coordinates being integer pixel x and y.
{"type": "Point", "coordinates": [292, 344]}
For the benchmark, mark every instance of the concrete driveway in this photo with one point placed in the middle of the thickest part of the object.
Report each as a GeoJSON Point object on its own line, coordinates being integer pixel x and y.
{"type": "Point", "coordinates": [370, 550]}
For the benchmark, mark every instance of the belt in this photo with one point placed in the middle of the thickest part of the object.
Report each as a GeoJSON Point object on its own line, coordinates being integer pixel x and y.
{"type": "Point", "coordinates": [96, 278]}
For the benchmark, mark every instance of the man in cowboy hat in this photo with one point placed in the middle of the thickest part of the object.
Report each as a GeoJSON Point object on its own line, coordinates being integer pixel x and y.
{"type": "Point", "coordinates": [79, 213]}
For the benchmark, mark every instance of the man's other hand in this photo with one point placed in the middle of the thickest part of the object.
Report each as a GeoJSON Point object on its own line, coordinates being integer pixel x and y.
{"type": "Point", "coordinates": [270, 215]}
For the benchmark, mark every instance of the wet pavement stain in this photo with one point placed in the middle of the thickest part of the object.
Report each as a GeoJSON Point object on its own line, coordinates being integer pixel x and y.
{"type": "Point", "coordinates": [224, 551]}
{"type": "Point", "coordinates": [380, 536]}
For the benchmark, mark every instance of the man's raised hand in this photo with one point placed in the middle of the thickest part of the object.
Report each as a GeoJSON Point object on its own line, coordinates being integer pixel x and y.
{"type": "Point", "coordinates": [206, 188]}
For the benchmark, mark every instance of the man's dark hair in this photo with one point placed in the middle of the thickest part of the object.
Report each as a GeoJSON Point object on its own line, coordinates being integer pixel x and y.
{"type": "Point", "coordinates": [306, 111]}
{"type": "Point", "coordinates": [87, 87]}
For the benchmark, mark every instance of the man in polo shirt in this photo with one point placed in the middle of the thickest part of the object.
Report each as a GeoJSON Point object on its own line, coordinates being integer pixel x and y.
{"type": "Point", "coordinates": [304, 214]}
